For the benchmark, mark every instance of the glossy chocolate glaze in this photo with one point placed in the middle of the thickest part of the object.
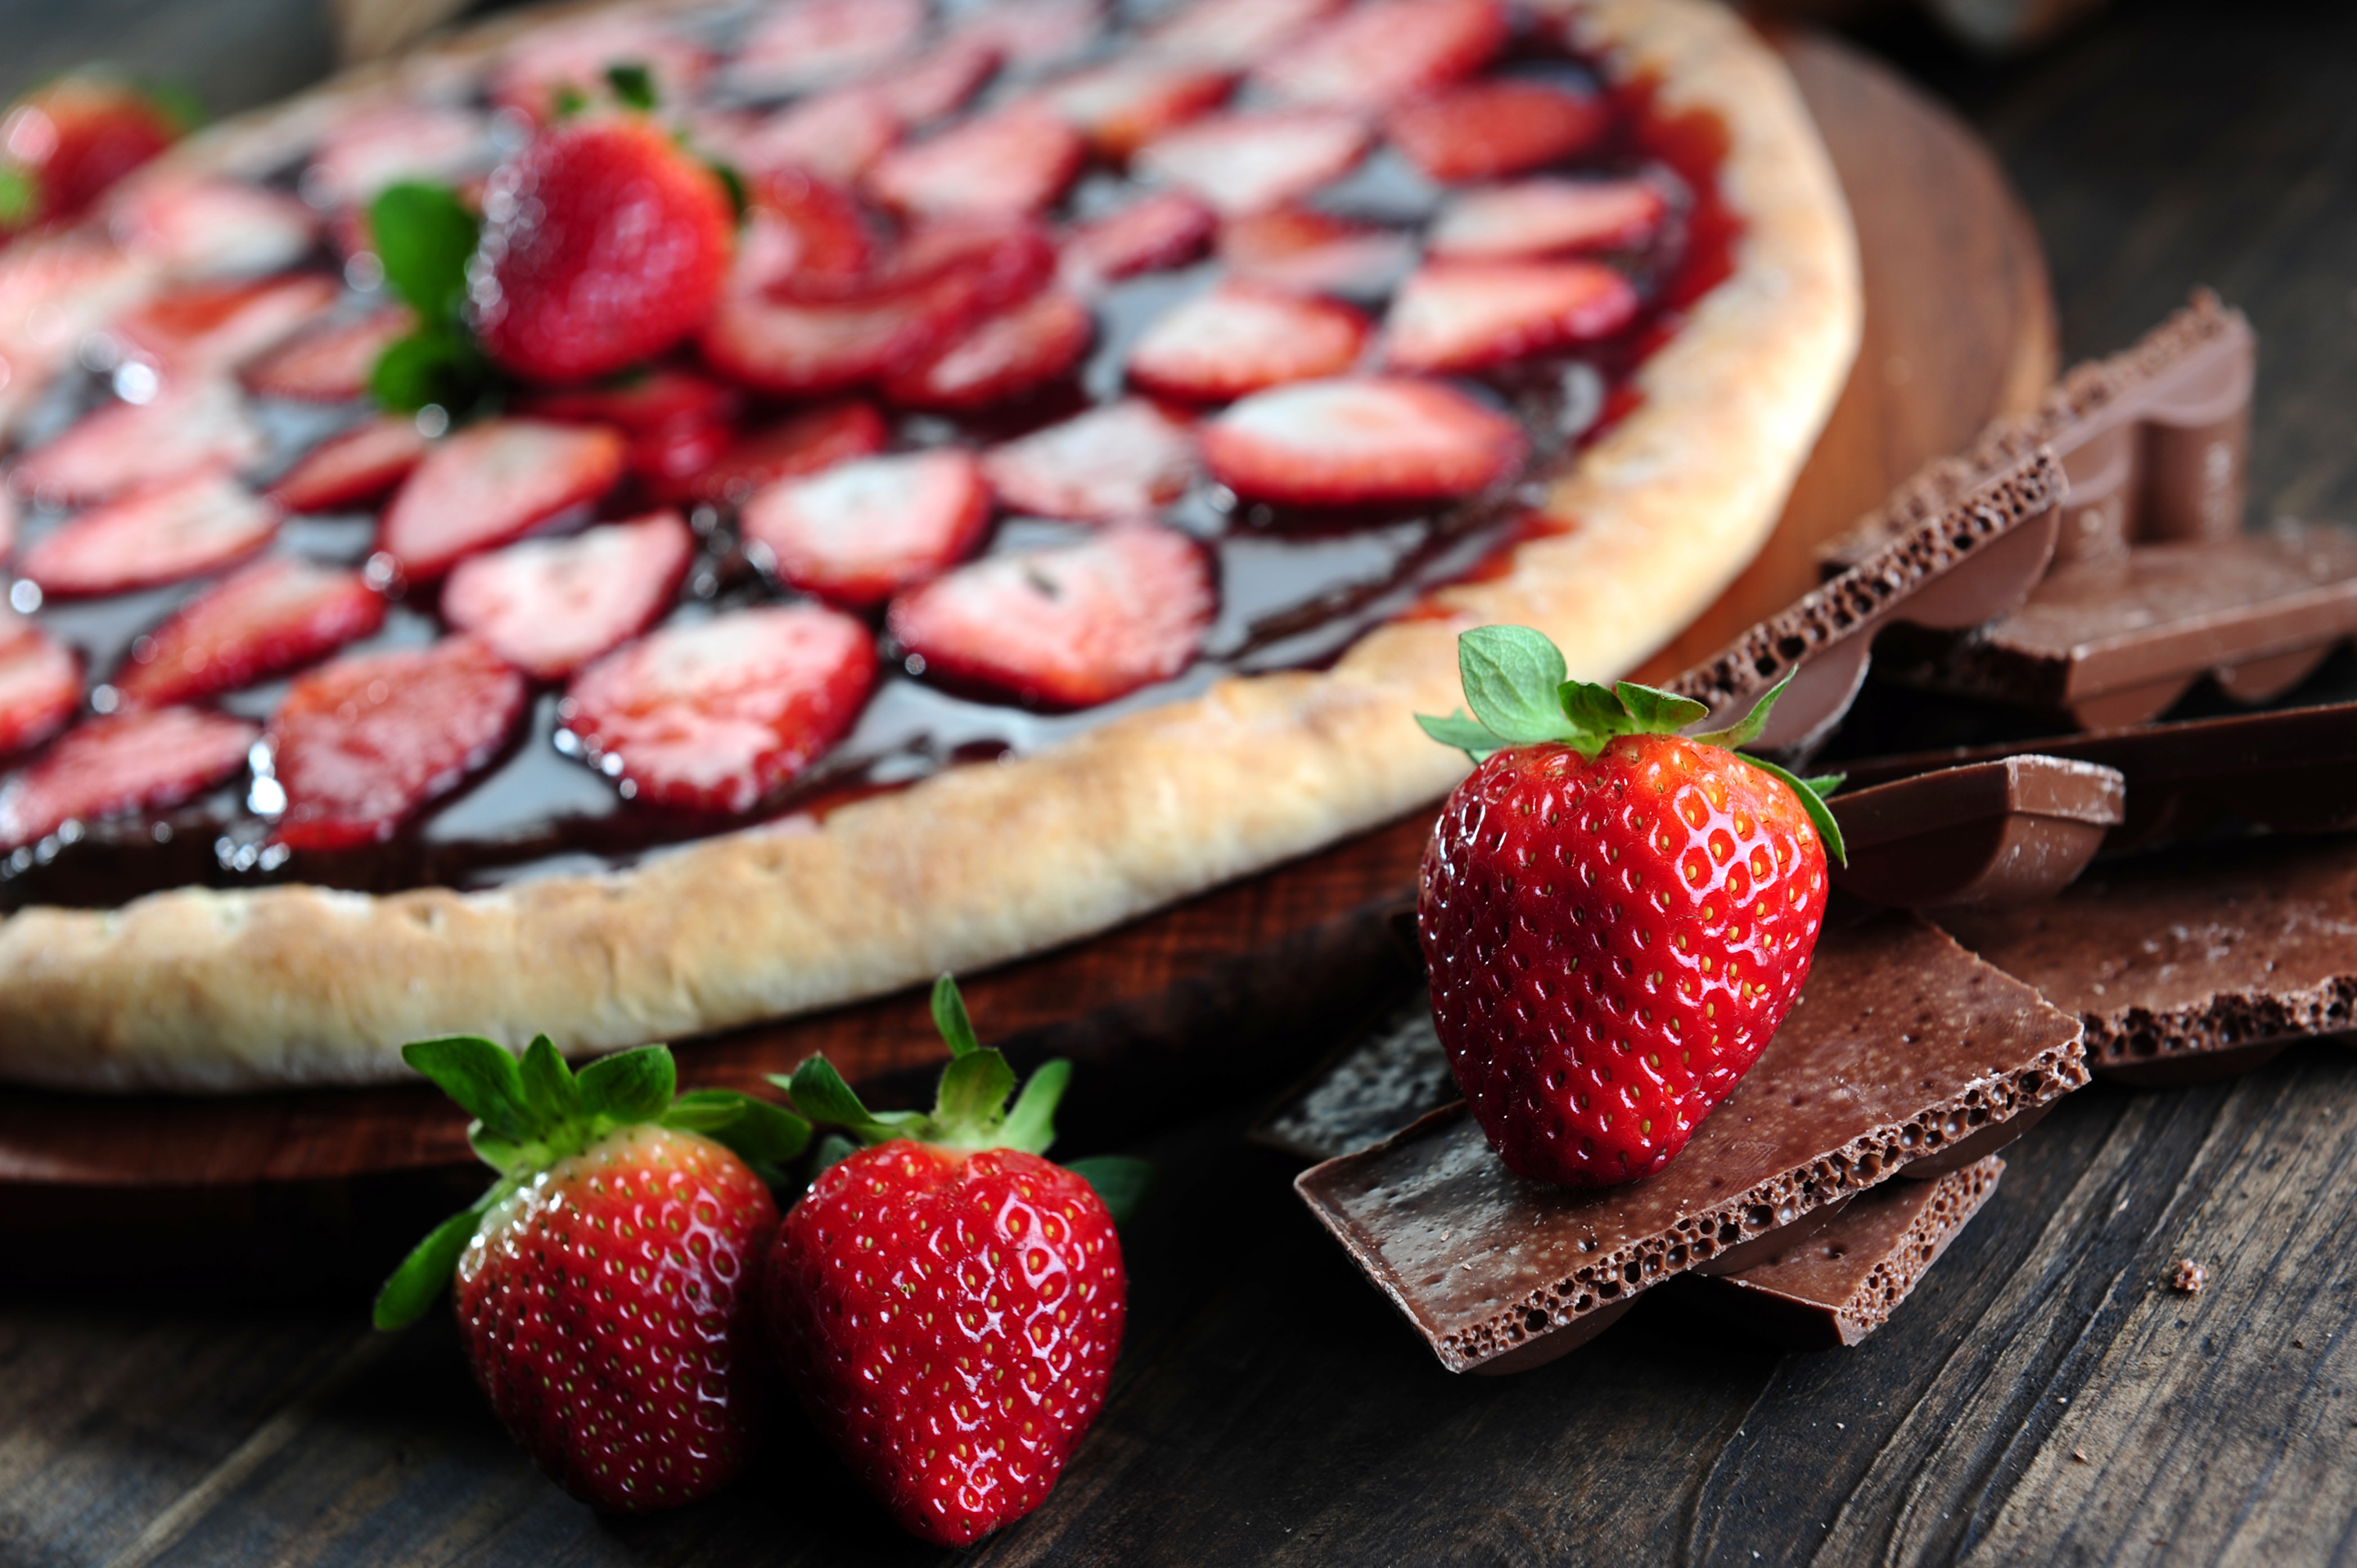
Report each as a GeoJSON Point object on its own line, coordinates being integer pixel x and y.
{"type": "Point", "coordinates": [1297, 589]}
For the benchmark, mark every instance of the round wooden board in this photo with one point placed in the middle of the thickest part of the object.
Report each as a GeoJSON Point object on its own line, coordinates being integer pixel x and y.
{"type": "Point", "coordinates": [1244, 983]}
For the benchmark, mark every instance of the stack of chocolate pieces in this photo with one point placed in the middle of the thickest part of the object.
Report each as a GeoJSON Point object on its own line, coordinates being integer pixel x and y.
{"type": "Point", "coordinates": [1974, 969]}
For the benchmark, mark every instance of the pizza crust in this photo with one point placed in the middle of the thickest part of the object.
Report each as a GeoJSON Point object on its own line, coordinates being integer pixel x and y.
{"type": "Point", "coordinates": [211, 991]}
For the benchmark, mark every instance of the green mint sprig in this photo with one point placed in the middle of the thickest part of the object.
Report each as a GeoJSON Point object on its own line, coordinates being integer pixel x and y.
{"type": "Point", "coordinates": [425, 236]}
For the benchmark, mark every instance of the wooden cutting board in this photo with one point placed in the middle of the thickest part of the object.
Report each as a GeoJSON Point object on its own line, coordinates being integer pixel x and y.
{"type": "Point", "coordinates": [1244, 983]}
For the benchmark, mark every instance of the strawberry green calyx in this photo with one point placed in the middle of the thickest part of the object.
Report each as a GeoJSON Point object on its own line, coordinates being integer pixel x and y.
{"type": "Point", "coordinates": [1521, 695]}
{"type": "Point", "coordinates": [530, 1115]}
{"type": "Point", "coordinates": [970, 1111]}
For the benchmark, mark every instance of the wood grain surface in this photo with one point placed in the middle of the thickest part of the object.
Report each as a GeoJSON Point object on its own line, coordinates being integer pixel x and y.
{"type": "Point", "coordinates": [1247, 980]}
{"type": "Point", "coordinates": [1270, 1408]}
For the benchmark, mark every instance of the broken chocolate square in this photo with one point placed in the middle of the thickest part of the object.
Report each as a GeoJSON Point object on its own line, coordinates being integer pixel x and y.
{"type": "Point", "coordinates": [1997, 832]}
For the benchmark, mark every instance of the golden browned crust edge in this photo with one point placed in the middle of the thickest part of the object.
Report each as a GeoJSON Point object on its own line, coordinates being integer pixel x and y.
{"type": "Point", "coordinates": [200, 990]}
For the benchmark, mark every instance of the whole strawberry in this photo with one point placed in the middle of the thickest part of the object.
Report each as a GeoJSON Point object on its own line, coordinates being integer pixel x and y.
{"type": "Point", "coordinates": [605, 244]}
{"type": "Point", "coordinates": [1614, 918]}
{"type": "Point", "coordinates": [63, 144]}
{"type": "Point", "coordinates": [948, 1305]}
{"type": "Point", "coordinates": [607, 1282]}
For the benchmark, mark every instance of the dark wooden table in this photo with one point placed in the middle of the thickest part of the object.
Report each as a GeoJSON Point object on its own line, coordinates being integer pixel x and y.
{"type": "Point", "coordinates": [2044, 1398]}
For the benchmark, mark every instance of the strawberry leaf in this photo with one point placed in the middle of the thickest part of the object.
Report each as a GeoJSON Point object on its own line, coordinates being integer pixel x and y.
{"type": "Point", "coordinates": [950, 1018]}
{"type": "Point", "coordinates": [1120, 1181]}
{"type": "Point", "coordinates": [425, 237]}
{"type": "Point", "coordinates": [1595, 711]}
{"type": "Point", "coordinates": [763, 1134]}
{"type": "Point", "coordinates": [482, 1076]}
{"type": "Point", "coordinates": [422, 1276]}
{"type": "Point", "coordinates": [1468, 734]}
{"type": "Point", "coordinates": [20, 197]}
{"type": "Point", "coordinates": [1820, 814]}
{"type": "Point", "coordinates": [548, 1088]}
{"type": "Point", "coordinates": [1511, 675]}
{"type": "Point", "coordinates": [972, 1102]}
{"type": "Point", "coordinates": [832, 1150]}
{"type": "Point", "coordinates": [1735, 737]}
{"type": "Point", "coordinates": [1031, 1126]}
{"type": "Point", "coordinates": [436, 364]}
{"type": "Point", "coordinates": [1657, 711]}
{"type": "Point", "coordinates": [633, 84]}
{"type": "Point", "coordinates": [820, 1093]}
{"type": "Point", "coordinates": [628, 1086]}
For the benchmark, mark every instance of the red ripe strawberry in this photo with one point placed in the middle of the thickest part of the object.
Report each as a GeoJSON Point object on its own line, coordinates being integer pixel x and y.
{"type": "Point", "coordinates": [203, 329]}
{"type": "Point", "coordinates": [328, 364]}
{"type": "Point", "coordinates": [492, 482]}
{"type": "Point", "coordinates": [947, 1305]}
{"type": "Point", "coordinates": [1361, 440]}
{"type": "Point", "coordinates": [127, 446]}
{"type": "Point", "coordinates": [1123, 105]}
{"type": "Point", "coordinates": [136, 762]}
{"type": "Point", "coordinates": [804, 443]}
{"type": "Point", "coordinates": [858, 533]}
{"type": "Point", "coordinates": [1125, 460]}
{"type": "Point", "coordinates": [814, 43]}
{"type": "Point", "coordinates": [1490, 129]}
{"type": "Point", "coordinates": [1237, 33]}
{"type": "Point", "coordinates": [1464, 315]}
{"type": "Point", "coordinates": [1013, 160]}
{"type": "Point", "coordinates": [550, 605]}
{"type": "Point", "coordinates": [608, 1285]}
{"type": "Point", "coordinates": [361, 744]}
{"type": "Point", "coordinates": [1386, 51]}
{"type": "Point", "coordinates": [178, 530]}
{"type": "Point", "coordinates": [1546, 217]}
{"type": "Point", "coordinates": [40, 683]}
{"type": "Point", "coordinates": [713, 717]}
{"type": "Point", "coordinates": [1249, 159]}
{"type": "Point", "coordinates": [273, 615]}
{"type": "Point", "coordinates": [62, 145]}
{"type": "Point", "coordinates": [212, 228]}
{"type": "Point", "coordinates": [1067, 626]}
{"type": "Point", "coordinates": [1000, 357]}
{"type": "Point", "coordinates": [1615, 917]}
{"type": "Point", "coordinates": [355, 466]}
{"type": "Point", "coordinates": [1243, 337]}
{"type": "Point", "coordinates": [1313, 251]}
{"type": "Point", "coordinates": [1164, 229]}
{"type": "Point", "coordinates": [608, 243]}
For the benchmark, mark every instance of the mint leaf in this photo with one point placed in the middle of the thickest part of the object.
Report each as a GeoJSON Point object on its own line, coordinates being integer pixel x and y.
{"type": "Point", "coordinates": [628, 1086]}
{"type": "Point", "coordinates": [1657, 711]}
{"type": "Point", "coordinates": [1511, 673]}
{"type": "Point", "coordinates": [1121, 1182]}
{"type": "Point", "coordinates": [634, 84]}
{"type": "Point", "coordinates": [482, 1076]}
{"type": "Point", "coordinates": [436, 364]}
{"type": "Point", "coordinates": [1735, 737]}
{"type": "Point", "coordinates": [425, 236]}
{"type": "Point", "coordinates": [950, 1018]}
{"type": "Point", "coordinates": [1820, 814]}
{"type": "Point", "coordinates": [1468, 735]}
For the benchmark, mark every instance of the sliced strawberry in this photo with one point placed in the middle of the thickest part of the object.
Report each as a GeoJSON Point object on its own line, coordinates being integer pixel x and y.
{"type": "Point", "coordinates": [214, 228]}
{"type": "Point", "coordinates": [1361, 440]}
{"type": "Point", "coordinates": [329, 364]}
{"type": "Point", "coordinates": [713, 717]}
{"type": "Point", "coordinates": [1010, 355]}
{"type": "Point", "coordinates": [1462, 316]}
{"type": "Point", "coordinates": [1123, 105]}
{"type": "Point", "coordinates": [361, 743]}
{"type": "Point", "coordinates": [814, 43]}
{"type": "Point", "coordinates": [190, 525]}
{"type": "Point", "coordinates": [7, 531]}
{"type": "Point", "coordinates": [659, 399]}
{"type": "Point", "coordinates": [1301, 248]}
{"type": "Point", "coordinates": [1162, 229]}
{"type": "Point", "coordinates": [127, 445]}
{"type": "Point", "coordinates": [1068, 626]}
{"type": "Point", "coordinates": [860, 532]}
{"type": "Point", "coordinates": [546, 66]}
{"type": "Point", "coordinates": [1485, 130]}
{"type": "Point", "coordinates": [550, 605]}
{"type": "Point", "coordinates": [138, 762]}
{"type": "Point", "coordinates": [1547, 217]}
{"type": "Point", "coordinates": [1243, 337]}
{"type": "Point", "coordinates": [272, 617]}
{"type": "Point", "coordinates": [997, 259]}
{"type": "Point", "coordinates": [1245, 160]}
{"type": "Point", "coordinates": [805, 444]}
{"type": "Point", "coordinates": [40, 683]}
{"type": "Point", "coordinates": [937, 84]}
{"type": "Point", "coordinates": [666, 461]}
{"type": "Point", "coordinates": [1031, 32]}
{"type": "Point", "coordinates": [834, 137]}
{"type": "Point", "coordinates": [1385, 51]}
{"type": "Point", "coordinates": [201, 329]}
{"type": "Point", "coordinates": [1125, 460]}
{"type": "Point", "coordinates": [1013, 160]}
{"type": "Point", "coordinates": [376, 147]}
{"type": "Point", "coordinates": [802, 230]}
{"type": "Point", "coordinates": [1237, 33]}
{"type": "Point", "coordinates": [492, 482]}
{"type": "Point", "coordinates": [353, 467]}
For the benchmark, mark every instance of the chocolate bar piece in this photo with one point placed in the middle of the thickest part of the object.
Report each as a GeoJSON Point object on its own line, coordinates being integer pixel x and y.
{"type": "Point", "coordinates": [1838, 1286]}
{"type": "Point", "coordinates": [1999, 833]}
{"type": "Point", "coordinates": [1903, 1048]}
{"type": "Point", "coordinates": [2117, 640]}
{"type": "Point", "coordinates": [2287, 771]}
{"type": "Point", "coordinates": [1380, 1085]}
{"type": "Point", "coordinates": [2192, 965]}
{"type": "Point", "coordinates": [2154, 442]}
{"type": "Point", "coordinates": [1965, 563]}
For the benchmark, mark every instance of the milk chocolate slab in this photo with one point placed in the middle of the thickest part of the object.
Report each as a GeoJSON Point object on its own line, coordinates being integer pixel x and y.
{"type": "Point", "coordinates": [1836, 1287]}
{"type": "Point", "coordinates": [2003, 832]}
{"type": "Point", "coordinates": [2196, 963]}
{"type": "Point", "coordinates": [2154, 442]}
{"type": "Point", "coordinates": [2117, 640]}
{"type": "Point", "coordinates": [1397, 1073]}
{"type": "Point", "coordinates": [1958, 566]}
{"type": "Point", "coordinates": [2289, 771]}
{"type": "Point", "coordinates": [1901, 1046]}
